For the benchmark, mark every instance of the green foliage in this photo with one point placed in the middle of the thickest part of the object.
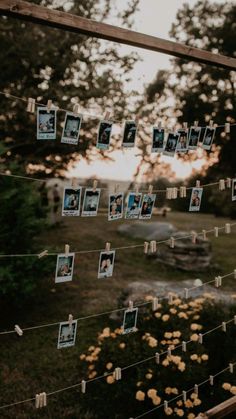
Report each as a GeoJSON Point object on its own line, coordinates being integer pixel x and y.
{"type": "Point", "coordinates": [167, 327]}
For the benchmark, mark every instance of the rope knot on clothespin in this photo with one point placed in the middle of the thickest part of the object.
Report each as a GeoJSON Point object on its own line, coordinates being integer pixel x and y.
{"type": "Point", "coordinates": [40, 400]}
{"type": "Point", "coordinates": [18, 330]}
{"type": "Point", "coordinates": [221, 184]}
{"type": "Point", "coordinates": [117, 373]}
{"type": "Point", "coordinates": [182, 191]}
{"type": "Point", "coordinates": [30, 105]}
{"type": "Point", "coordinates": [227, 228]}
{"type": "Point", "coordinates": [83, 386]}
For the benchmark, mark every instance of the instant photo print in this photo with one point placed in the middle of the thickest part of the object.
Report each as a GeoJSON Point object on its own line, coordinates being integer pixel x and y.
{"type": "Point", "coordinates": [233, 189]}
{"type": "Point", "coordinates": [106, 264]}
{"type": "Point", "coordinates": [158, 135]}
{"type": "Point", "coordinates": [147, 206]}
{"type": "Point", "coordinates": [208, 138]}
{"type": "Point", "coordinates": [130, 130]}
{"type": "Point", "coordinates": [133, 205]}
{"type": "Point", "coordinates": [64, 268]}
{"type": "Point", "coordinates": [71, 202]}
{"type": "Point", "coordinates": [91, 202]}
{"type": "Point", "coordinates": [104, 135]}
{"type": "Point", "coordinates": [182, 145]}
{"type": "Point", "coordinates": [67, 334]}
{"type": "Point", "coordinates": [194, 136]}
{"type": "Point", "coordinates": [46, 124]}
{"type": "Point", "coordinates": [195, 200]}
{"type": "Point", "coordinates": [71, 128]}
{"type": "Point", "coordinates": [130, 321]}
{"type": "Point", "coordinates": [115, 206]}
{"type": "Point", "coordinates": [171, 144]}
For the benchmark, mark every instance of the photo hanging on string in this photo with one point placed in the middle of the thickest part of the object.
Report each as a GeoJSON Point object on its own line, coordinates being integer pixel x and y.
{"type": "Point", "coordinates": [46, 124]}
{"type": "Point", "coordinates": [115, 206]}
{"type": "Point", "coordinates": [208, 138]}
{"type": "Point", "coordinates": [67, 334]}
{"type": "Point", "coordinates": [129, 135]}
{"type": "Point", "coordinates": [195, 200]}
{"type": "Point", "coordinates": [130, 321]}
{"type": "Point", "coordinates": [147, 206]}
{"type": "Point", "coordinates": [158, 135]}
{"type": "Point", "coordinates": [64, 268]}
{"type": "Point", "coordinates": [171, 144]}
{"type": "Point", "coordinates": [91, 202]}
{"type": "Point", "coordinates": [182, 145]}
{"type": "Point", "coordinates": [71, 202]}
{"type": "Point", "coordinates": [104, 135]}
{"type": "Point", "coordinates": [133, 205]}
{"type": "Point", "coordinates": [70, 134]}
{"type": "Point", "coordinates": [194, 136]}
{"type": "Point", "coordinates": [233, 189]}
{"type": "Point", "coordinates": [106, 264]}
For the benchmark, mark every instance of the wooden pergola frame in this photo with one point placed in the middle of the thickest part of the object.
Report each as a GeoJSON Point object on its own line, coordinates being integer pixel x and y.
{"type": "Point", "coordinates": [77, 24]}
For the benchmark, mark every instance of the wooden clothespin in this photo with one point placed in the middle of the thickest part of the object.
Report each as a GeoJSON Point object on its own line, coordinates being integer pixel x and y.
{"type": "Point", "coordinates": [136, 189]}
{"type": "Point", "coordinates": [184, 346]}
{"type": "Point", "coordinates": [18, 330]}
{"type": "Point", "coordinates": [154, 304]}
{"type": "Point", "coordinates": [117, 373]}
{"type": "Point", "coordinates": [83, 386]}
{"type": "Point", "coordinates": [157, 358]}
{"type": "Point", "coordinates": [30, 105]}
{"type": "Point", "coordinates": [168, 193]}
{"type": "Point", "coordinates": [184, 393]}
{"type": "Point", "coordinates": [150, 189]}
{"type": "Point", "coordinates": [145, 248]}
{"type": "Point", "coordinates": [172, 242]}
{"type": "Point", "coordinates": [74, 183]}
{"type": "Point", "coordinates": [195, 124]}
{"type": "Point", "coordinates": [224, 327]}
{"type": "Point", "coordinates": [49, 105]}
{"type": "Point", "coordinates": [67, 249]}
{"type": "Point", "coordinates": [131, 305]}
{"type": "Point", "coordinates": [227, 128]}
{"type": "Point", "coordinates": [211, 123]}
{"type": "Point", "coordinates": [200, 338]}
{"type": "Point", "coordinates": [153, 246]}
{"type": "Point", "coordinates": [169, 351]}
{"type": "Point", "coordinates": [216, 231]}
{"type": "Point", "coordinates": [170, 298]}
{"type": "Point", "coordinates": [204, 236]}
{"type": "Point", "coordinates": [221, 184]}
{"type": "Point", "coordinates": [231, 368]}
{"type": "Point", "coordinates": [70, 320]}
{"type": "Point", "coordinates": [95, 184]}
{"type": "Point", "coordinates": [227, 228]}
{"type": "Point", "coordinates": [194, 237]}
{"type": "Point", "coordinates": [186, 293]}
{"type": "Point", "coordinates": [107, 116]}
{"type": "Point", "coordinates": [198, 184]}
{"type": "Point", "coordinates": [174, 193]}
{"type": "Point", "coordinates": [165, 404]}
{"type": "Point", "coordinates": [234, 273]}
{"type": "Point", "coordinates": [40, 400]}
{"type": "Point", "coordinates": [234, 319]}
{"type": "Point", "coordinates": [218, 281]}
{"type": "Point", "coordinates": [182, 191]}
{"type": "Point", "coordinates": [108, 247]}
{"type": "Point", "coordinates": [211, 379]}
{"type": "Point", "coordinates": [196, 389]}
{"type": "Point", "coordinates": [76, 108]}
{"type": "Point", "coordinates": [116, 188]}
{"type": "Point", "coordinates": [42, 254]}
{"type": "Point", "coordinates": [228, 182]}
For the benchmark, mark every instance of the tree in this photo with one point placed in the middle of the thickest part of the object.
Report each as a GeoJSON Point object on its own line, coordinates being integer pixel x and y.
{"type": "Point", "coordinates": [47, 63]}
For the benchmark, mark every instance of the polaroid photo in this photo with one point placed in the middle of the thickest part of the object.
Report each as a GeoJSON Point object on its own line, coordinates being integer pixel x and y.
{"type": "Point", "coordinates": [106, 264]}
{"type": "Point", "coordinates": [171, 144]}
{"type": "Point", "coordinates": [233, 189]}
{"type": "Point", "coordinates": [195, 200]}
{"type": "Point", "coordinates": [130, 130]}
{"type": "Point", "coordinates": [158, 135]}
{"type": "Point", "coordinates": [91, 202]}
{"type": "Point", "coordinates": [70, 134]}
{"type": "Point", "coordinates": [193, 138]}
{"type": "Point", "coordinates": [133, 205]}
{"type": "Point", "coordinates": [46, 123]}
{"type": "Point", "coordinates": [71, 202]}
{"type": "Point", "coordinates": [67, 334]}
{"type": "Point", "coordinates": [104, 135]}
{"type": "Point", "coordinates": [130, 321]}
{"type": "Point", "coordinates": [147, 206]}
{"type": "Point", "coordinates": [182, 145]}
{"type": "Point", "coordinates": [64, 268]}
{"type": "Point", "coordinates": [115, 206]}
{"type": "Point", "coordinates": [208, 138]}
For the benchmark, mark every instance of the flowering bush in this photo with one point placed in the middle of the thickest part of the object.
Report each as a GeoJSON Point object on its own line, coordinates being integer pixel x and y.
{"type": "Point", "coordinates": [146, 385]}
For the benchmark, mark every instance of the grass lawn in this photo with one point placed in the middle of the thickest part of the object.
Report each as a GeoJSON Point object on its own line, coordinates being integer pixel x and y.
{"type": "Point", "coordinates": [32, 363]}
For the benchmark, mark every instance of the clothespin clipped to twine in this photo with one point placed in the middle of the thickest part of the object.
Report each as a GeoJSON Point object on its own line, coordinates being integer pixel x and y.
{"type": "Point", "coordinates": [194, 237]}
{"type": "Point", "coordinates": [184, 393]}
{"type": "Point", "coordinates": [74, 182]}
{"type": "Point", "coordinates": [83, 386]}
{"type": "Point", "coordinates": [196, 389]}
{"type": "Point", "coordinates": [117, 373]}
{"type": "Point", "coordinates": [154, 304]}
{"type": "Point", "coordinates": [172, 242]}
{"type": "Point", "coordinates": [198, 184]}
{"type": "Point", "coordinates": [18, 330]}
{"type": "Point", "coordinates": [221, 184]}
{"type": "Point", "coordinates": [136, 189]}
{"type": "Point", "coordinates": [184, 346]}
{"type": "Point", "coordinates": [234, 319]}
{"type": "Point", "coordinates": [67, 249]}
{"type": "Point", "coordinates": [76, 108]}
{"type": "Point", "coordinates": [169, 351]}
{"type": "Point", "coordinates": [182, 191]}
{"type": "Point", "coordinates": [116, 188]}
{"type": "Point", "coordinates": [40, 400]}
{"type": "Point", "coordinates": [204, 236]}
{"type": "Point", "coordinates": [70, 320]}
{"type": "Point", "coordinates": [165, 404]}
{"type": "Point", "coordinates": [170, 298]}
{"type": "Point", "coordinates": [145, 247]}
{"type": "Point", "coordinates": [49, 105]}
{"type": "Point", "coordinates": [228, 182]}
{"type": "Point", "coordinates": [108, 247]}
{"type": "Point", "coordinates": [186, 293]}
{"type": "Point", "coordinates": [211, 379]}
{"type": "Point", "coordinates": [153, 246]}
{"type": "Point", "coordinates": [227, 228]}
{"type": "Point", "coordinates": [211, 123]}
{"type": "Point", "coordinates": [227, 128]}
{"type": "Point", "coordinates": [157, 358]}
{"type": "Point", "coordinates": [216, 231]}
{"type": "Point", "coordinates": [174, 193]}
{"type": "Point", "coordinates": [224, 329]}
{"type": "Point", "coordinates": [30, 105]}
{"type": "Point", "coordinates": [150, 189]}
{"type": "Point", "coordinates": [168, 193]}
{"type": "Point", "coordinates": [200, 338]}
{"type": "Point", "coordinates": [234, 273]}
{"type": "Point", "coordinates": [42, 254]}
{"type": "Point", "coordinates": [218, 281]}
{"type": "Point", "coordinates": [107, 115]}
{"type": "Point", "coordinates": [131, 305]}
{"type": "Point", "coordinates": [195, 124]}
{"type": "Point", "coordinates": [95, 184]}
{"type": "Point", "coordinates": [231, 368]}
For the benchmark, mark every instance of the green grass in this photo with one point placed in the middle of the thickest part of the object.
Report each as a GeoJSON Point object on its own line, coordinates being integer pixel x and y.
{"type": "Point", "coordinates": [32, 363]}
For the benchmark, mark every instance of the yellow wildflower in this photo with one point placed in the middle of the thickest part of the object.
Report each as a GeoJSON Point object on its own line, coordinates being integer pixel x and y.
{"type": "Point", "coordinates": [168, 411]}
{"type": "Point", "coordinates": [92, 374]}
{"type": "Point", "coordinates": [139, 383]}
{"type": "Point", "coordinates": [148, 376]}
{"type": "Point", "coordinates": [91, 367]}
{"type": "Point", "coordinates": [195, 326]}
{"type": "Point", "coordinates": [156, 400]}
{"type": "Point", "coordinates": [109, 366]}
{"type": "Point", "coordinates": [205, 357]}
{"type": "Point", "coordinates": [226, 386]}
{"type": "Point", "coordinates": [91, 348]}
{"type": "Point", "coordinates": [179, 403]}
{"type": "Point", "coordinates": [140, 395]}
{"type": "Point", "coordinates": [122, 345]}
{"type": "Point", "coordinates": [177, 334]}
{"type": "Point", "coordinates": [194, 396]}
{"type": "Point", "coordinates": [173, 310]}
{"type": "Point", "coordinates": [182, 315]}
{"type": "Point", "coordinates": [82, 356]}
{"type": "Point", "coordinates": [197, 402]}
{"type": "Point", "coordinates": [188, 403]}
{"type": "Point", "coordinates": [194, 337]}
{"type": "Point", "coordinates": [165, 362]}
{"type": "Point", "coordinates": [191, 416]}
{"type": "Point", "coordinates": [194, 357]}
{"type": "Point", "coordinates": [157, 315]}
{"type": "Point", "coordinates": [168, 335]}
{"type": "Point", "coordinates": [165, 317]}
{"type": "Point", "coordinates": [168, 390]}
{"type": "Point", "coordinates": [196, 317]}
{"type": "Point", "coordinates": [110, 379]}
{"type": "Point", "coordinates": [181, 366]}
{"type": "Point", "coordinates": [152, 392]}
{"type": "Point", "coordinates": [175, 341]}
{"type": "Point", "coordinates": [233, 390]}
{"type": "Point", "coordinates": [152, 342]}
{"type": "Point", "coordinates": [180, 412]}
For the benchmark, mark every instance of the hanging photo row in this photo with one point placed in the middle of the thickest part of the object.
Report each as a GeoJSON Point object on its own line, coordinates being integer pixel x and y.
{"type": "Point", "coordinates": [180, 141]}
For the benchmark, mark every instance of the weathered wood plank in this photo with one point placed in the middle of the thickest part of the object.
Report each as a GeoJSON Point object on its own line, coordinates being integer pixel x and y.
{"type": "Point", "coordinates": [69, 22]}
{"type": "Point", "coordinates": [221, 410]}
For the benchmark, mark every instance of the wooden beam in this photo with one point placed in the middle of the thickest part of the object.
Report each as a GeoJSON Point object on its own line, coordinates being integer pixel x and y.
{"type": "Point", "coordinates": [221, 410]}
{"type": "Point", "coordinates": [69, 22]}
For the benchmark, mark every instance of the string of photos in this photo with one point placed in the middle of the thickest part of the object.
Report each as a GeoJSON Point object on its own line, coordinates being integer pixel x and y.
{"type": "Point", "coordinates": [41, 398]}
{"type": "Point", "coordinates": [178, 140]}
